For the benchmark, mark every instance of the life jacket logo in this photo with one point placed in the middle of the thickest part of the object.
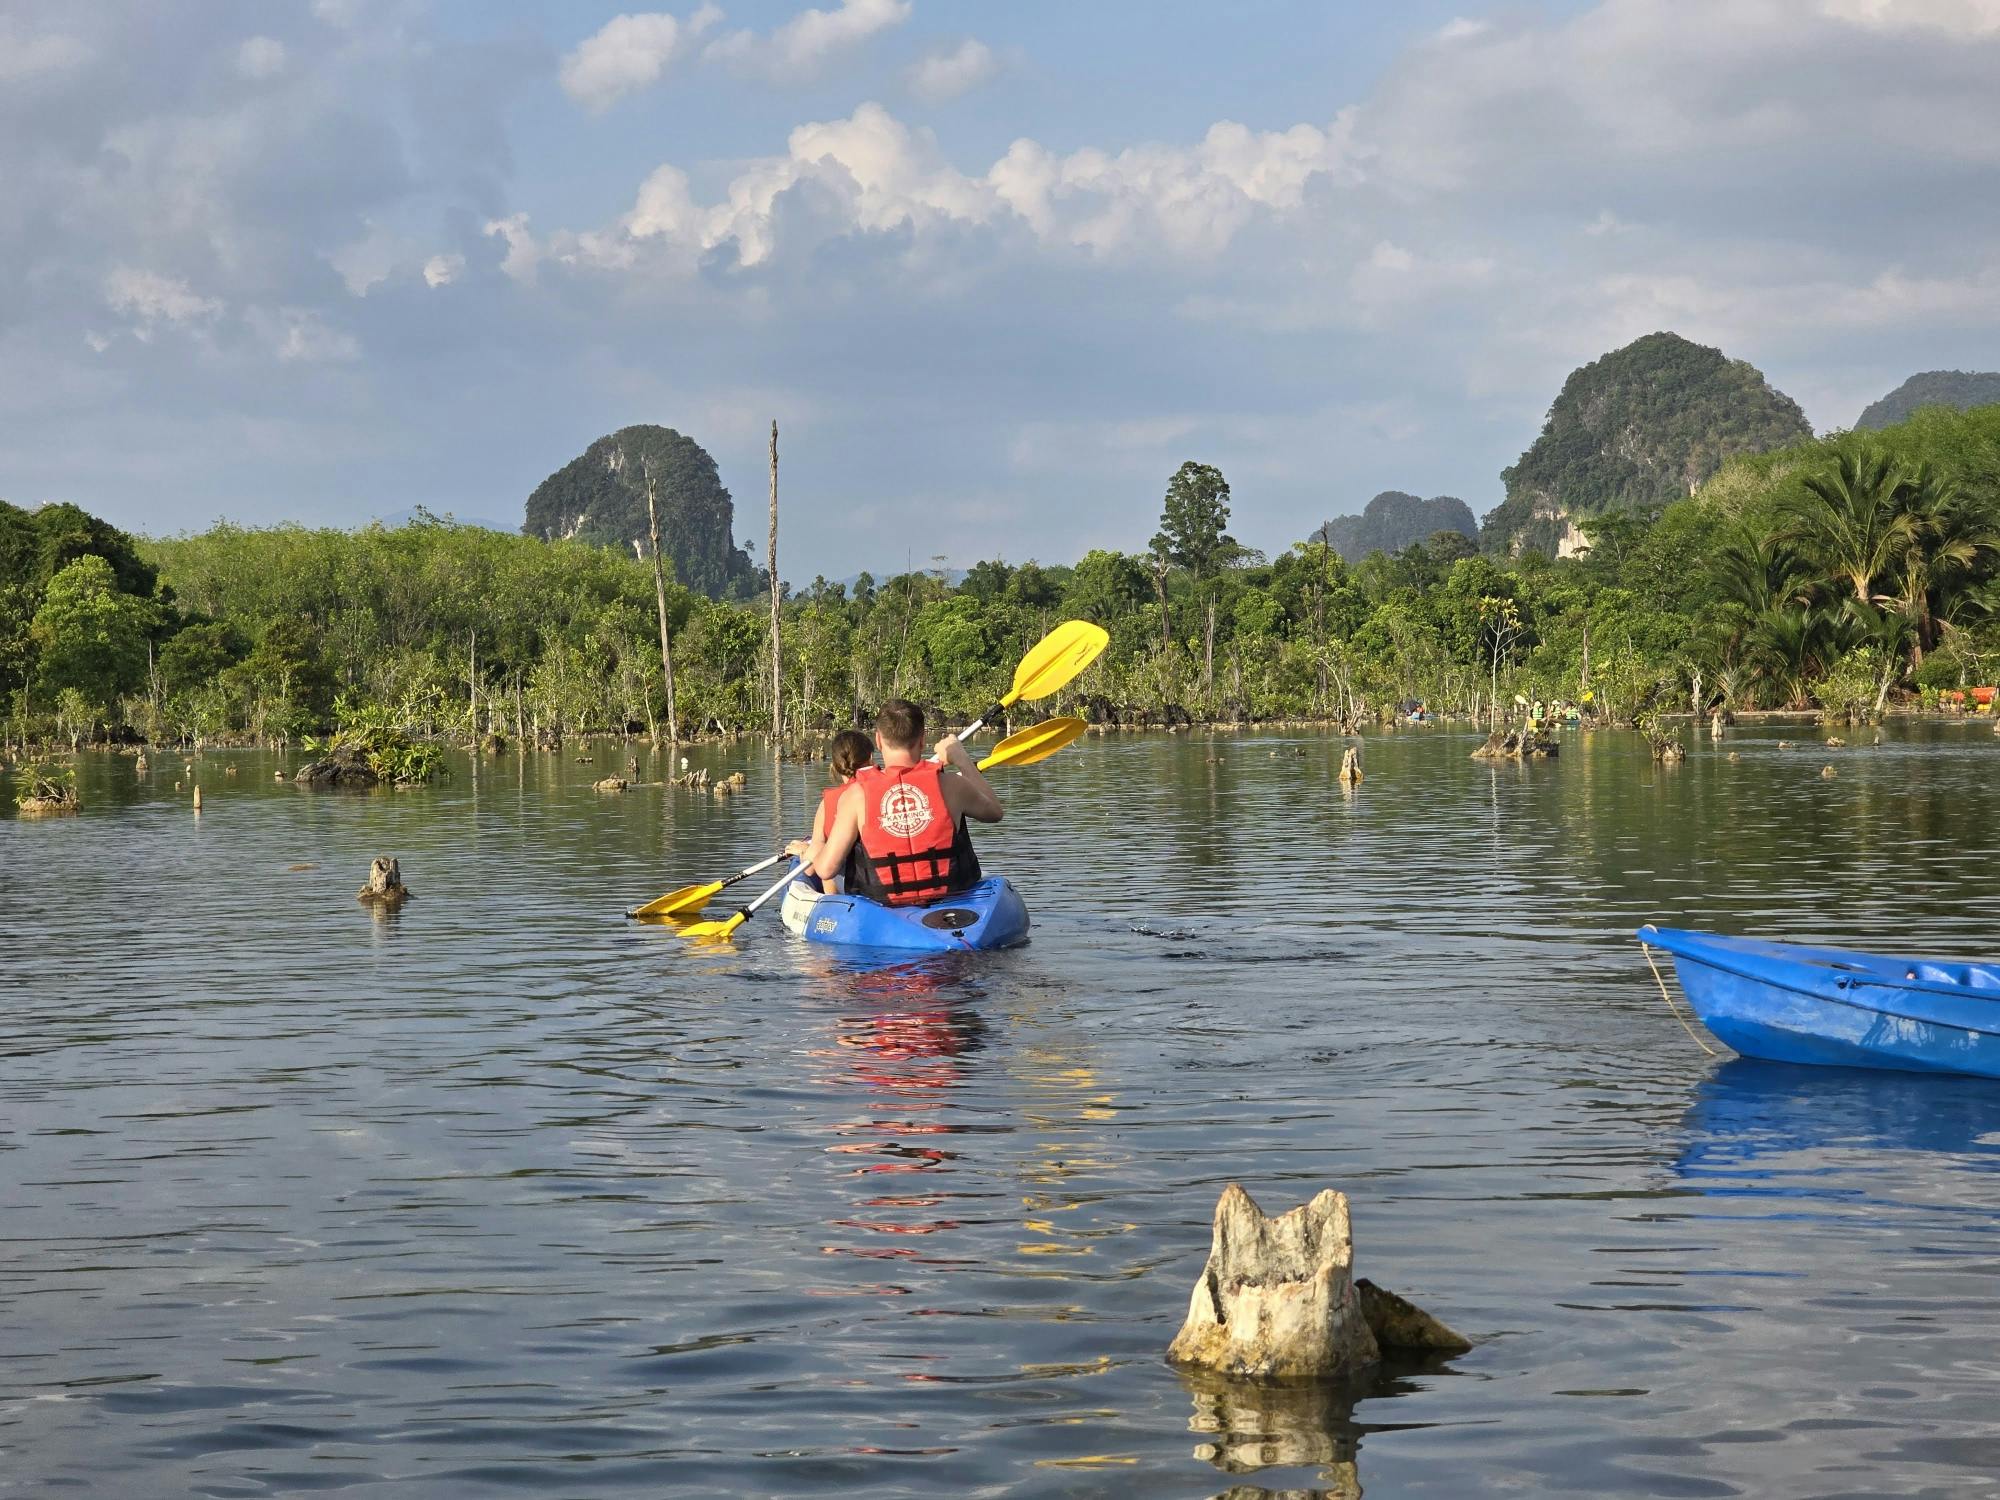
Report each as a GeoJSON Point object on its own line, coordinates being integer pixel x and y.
{"type": "Point", "coordinates": [905, 811]}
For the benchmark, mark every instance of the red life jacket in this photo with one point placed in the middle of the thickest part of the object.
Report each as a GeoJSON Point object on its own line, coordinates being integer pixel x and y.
{"type": "Point", "coordinates": [829, 804]}
{"type": "Point", "coordinates": [912, 850]}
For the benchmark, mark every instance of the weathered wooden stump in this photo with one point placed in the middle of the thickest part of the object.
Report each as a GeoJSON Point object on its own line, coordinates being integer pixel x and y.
{"type": "Point", "coordinates": [385, 886]}
{"type": "Point", "coordinates": [610, 784]}
{"type": "Point", "coordinates": [1277, 1297]}
{"type": "Point", "coordinates": [1350, 766]}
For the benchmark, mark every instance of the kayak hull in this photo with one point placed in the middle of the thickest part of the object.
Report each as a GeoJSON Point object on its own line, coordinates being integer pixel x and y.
{"type": "Point", "coordinates": [990, 914]}
{"type": "Point", "coordinates": [1787, 1003]}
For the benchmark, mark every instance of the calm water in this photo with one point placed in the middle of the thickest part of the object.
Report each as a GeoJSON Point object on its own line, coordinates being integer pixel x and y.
{"type": "Point", "coordinates": [508, 1195]}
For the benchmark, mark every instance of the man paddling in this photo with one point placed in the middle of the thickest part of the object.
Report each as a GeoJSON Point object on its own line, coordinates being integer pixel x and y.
{"type": "Point", "coordinates": [898, 835]}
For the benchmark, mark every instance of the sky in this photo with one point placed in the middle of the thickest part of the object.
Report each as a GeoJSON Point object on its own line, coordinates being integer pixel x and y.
{"type": "Point", "coordinates": [996, 270]}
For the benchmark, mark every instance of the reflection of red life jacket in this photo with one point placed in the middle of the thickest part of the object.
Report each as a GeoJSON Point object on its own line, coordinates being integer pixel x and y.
{"type": "Point", "coordinates": [911, 850]}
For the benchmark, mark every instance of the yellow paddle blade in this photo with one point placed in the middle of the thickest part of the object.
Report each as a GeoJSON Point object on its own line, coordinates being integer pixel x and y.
{"type": "Point", "coordinates": [1026, 746]}
{"type": "Point", "coordinates": [717, 930]}
{"type": "Point", "coordinates": [1056, 659]}
{"type": "Point", "coordinates": [688, 898]}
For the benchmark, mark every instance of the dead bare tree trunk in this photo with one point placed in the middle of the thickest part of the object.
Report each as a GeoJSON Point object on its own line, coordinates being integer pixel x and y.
{"type": "Point", "coordinates": [660, 594]}
{"type": "Point", "coordinates": [472, 684]}
{"type": "Point", "coordinates": [1208, 650]}
{"type": "Point", "coordinates": [777, 700]}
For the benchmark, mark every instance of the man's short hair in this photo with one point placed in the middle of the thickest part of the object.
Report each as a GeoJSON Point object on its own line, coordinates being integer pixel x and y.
{"type": "Point", "coordinates": [901, 725]}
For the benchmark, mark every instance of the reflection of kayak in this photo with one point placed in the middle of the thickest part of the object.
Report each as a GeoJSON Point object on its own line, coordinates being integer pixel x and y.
{"type": "Point", "coordinates": [1757, 1127]}
{"type": "Point", "coordinates": [1793, 1004]}
{"type": "Point", "coordinates": [988, 915]}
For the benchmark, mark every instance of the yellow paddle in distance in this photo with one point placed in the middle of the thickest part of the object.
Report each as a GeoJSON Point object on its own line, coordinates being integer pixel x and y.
{"type": "Point", "coordinates": [722, 928]}
{"type": "Point", "coordinates": [1052, 664]}
{"type": "Point", "coordinates": [692, 898]}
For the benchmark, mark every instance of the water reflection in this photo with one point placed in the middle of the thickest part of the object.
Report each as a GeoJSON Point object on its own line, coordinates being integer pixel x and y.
{"type": "Point", "coordinates": [1250, 1426]}
{"type": "Point", "coordinates": [908, 1047]}
{"type": "Point", "coordinates": [1760, 1129]}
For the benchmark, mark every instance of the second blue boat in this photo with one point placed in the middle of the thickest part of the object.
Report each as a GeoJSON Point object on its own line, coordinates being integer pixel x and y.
{"type": "Point", "coordinates": [1789, 1003]}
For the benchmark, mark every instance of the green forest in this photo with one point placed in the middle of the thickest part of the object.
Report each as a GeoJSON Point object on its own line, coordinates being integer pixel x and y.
{"type": "Point", "coordinates": [1848, 573]}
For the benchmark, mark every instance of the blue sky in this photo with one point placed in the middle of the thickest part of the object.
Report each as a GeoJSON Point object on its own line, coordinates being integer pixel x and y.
{"type": "Point", "coordinates": [996, 269]}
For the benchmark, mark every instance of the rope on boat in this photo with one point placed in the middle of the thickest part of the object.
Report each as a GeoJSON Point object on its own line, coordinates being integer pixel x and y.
{"type": "Point", "coordinates": [1647, 948]}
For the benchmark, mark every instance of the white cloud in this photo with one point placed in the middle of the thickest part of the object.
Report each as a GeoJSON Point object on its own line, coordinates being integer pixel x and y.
{"type": "Point", "coordinates": [1462, 28]}
{"type": "Point", "coordinates": [443, 270]}
{"type": "Point", "coordinates": [522, 252]}
{"type": "Point", "coordinates": [261, 57]}
{"type": "Point", "coordinates": [368, 261]}
{"type": "Point", "coordinates": [149, 300]}
{"type": "Point", "coordinates": [1970, 18]}
{"type": "Point", "coordinates": [343, 14]}
{"type": "Point", "coordinates": [872, 173]}
{"type": "Point", "coordinates": [26, 57]}
{"type": "Point", "coordinates": [629, 53]}
{"type": "Point", "coordinates": [298, 335]}
{"type": "Point", "coordinates": [941, 76]}
{"type": "Point", "coordinates": [803, 45]}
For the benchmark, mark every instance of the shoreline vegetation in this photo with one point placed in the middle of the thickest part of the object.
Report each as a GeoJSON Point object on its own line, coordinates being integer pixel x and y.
{"type": "Point", "coordinates": [1850, 576]}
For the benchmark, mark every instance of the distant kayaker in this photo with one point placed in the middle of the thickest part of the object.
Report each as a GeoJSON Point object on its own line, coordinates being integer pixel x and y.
{"type": "Point", "coordinates": [898, 833]}
{"type": "Point", "coordinates": [851, 751]}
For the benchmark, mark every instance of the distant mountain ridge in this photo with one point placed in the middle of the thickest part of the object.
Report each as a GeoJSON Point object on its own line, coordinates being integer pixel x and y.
{"type": "Point", "coordinates": [1392, 521]}
{"type": "Point", "coordinates": [1639, 427]}
{"type": "Point", "coordinates": [1963, 389]}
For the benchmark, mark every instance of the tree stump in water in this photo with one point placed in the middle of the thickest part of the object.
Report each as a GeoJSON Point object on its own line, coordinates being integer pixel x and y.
{"type": "Point", "coordinates": [609, 784]}
{"type": "Point", "coordinates": [1277, 1297]}
{"type": "Point", "coordinates": [385, 886]}
{"type": "Point", "coordinates": [1350, 766]}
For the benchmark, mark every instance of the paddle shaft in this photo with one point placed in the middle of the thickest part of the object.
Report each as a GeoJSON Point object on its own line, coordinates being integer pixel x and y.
{"type": "Point", "coordinates": [699, 895]}
{"type": "Point", "coordinates": [746, 912]}
{"type": "Point", "coordinates": [756, 869]}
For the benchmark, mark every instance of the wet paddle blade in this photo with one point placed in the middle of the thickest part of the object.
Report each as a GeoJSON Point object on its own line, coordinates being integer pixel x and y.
{"type": "Point", "coordinates": [1026, 746]}
{"type": "Point", "coordinates": [715, 930]}
{"type": "Point", "coordinates": [1056, 659]}
{"type": "Point", "coordinates": [675, 903]}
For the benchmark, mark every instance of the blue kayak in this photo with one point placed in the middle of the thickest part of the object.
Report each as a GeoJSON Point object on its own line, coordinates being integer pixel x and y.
{"type": "Point", "coordinates": [987, 915]}
{"type": "Point", "coordinates": [1787, 1003]}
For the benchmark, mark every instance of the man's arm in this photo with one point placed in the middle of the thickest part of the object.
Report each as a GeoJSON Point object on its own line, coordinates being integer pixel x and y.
{"type": "Point", "coordinates": [840, 838]}
{"type": "Point", "coordinates": [967, 793]}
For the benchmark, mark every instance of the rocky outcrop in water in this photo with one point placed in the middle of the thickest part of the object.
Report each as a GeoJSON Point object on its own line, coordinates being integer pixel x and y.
{"type": "Point", "coordinates": [344, 765]}
{"type": "Point", "coordinates": [1277, 1298]}
{"type": "Point", "coordinates": [1517, 744]}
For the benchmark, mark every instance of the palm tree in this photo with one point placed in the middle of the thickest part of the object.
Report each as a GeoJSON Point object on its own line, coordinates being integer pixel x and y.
{"type": "Point", "coordinates": [1758, 572]}
{"type": "Point", "coordinates": [1784, 645]}
{"type": "Point", "coordinates": [1854, 524]}
{"type": "Point", "coordinates": [1956, 541]}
